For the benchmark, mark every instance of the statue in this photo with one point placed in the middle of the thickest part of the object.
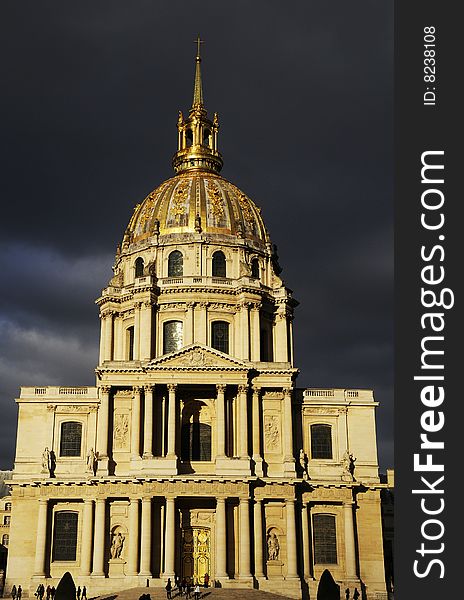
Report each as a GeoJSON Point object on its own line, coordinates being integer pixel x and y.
{"type": "Point", "coordinates": [304, 464]}
{"type": "Point", "coordinates": [348, 461]}
{"type": "Point", "coordinates": [91, 461]}
{"type": "Point", "coordinates": [47, 461]}
{"type": "Point", "coordinates": [273, 546]}
{"type": "Point", "coordinates": [117, 544]}
{"type": "Point", "coordinates": [198, 223]}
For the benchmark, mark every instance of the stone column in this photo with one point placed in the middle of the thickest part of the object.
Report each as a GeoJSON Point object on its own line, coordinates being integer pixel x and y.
{"type": "Point", "coordinates": [170, 539]}
{"type": "Point", "coordinates": [281, 342]}
{"type": "Point", "coordinates": [118, 338]}
{"type": "Point", "coordinates": [256, 434]}
{"type": "Point", "coordinates": [99, 538]}
{"type": "Point", "coordinates": [137, 306]}
{"type": "Point", "coordinates": [244, 554]}
{"type": "Point", "coordinates": [258, 531]}
{"type": "Point", "coordinates": [201, 323]}
{"type": "Point", "coordinates": [145, 547]}
{"type": "Point", "coordinates": [245, 329]}
{"type": "Point", "coordinates": [108, 355]}
{"type": "Point", "coordinates": [86, 547]}
{"type": "Point", "coordinates": [172, 421]}
{"type": "Point", "coordinates": [41, 539]}
{"type": "Point", "coordinates": [220, 421]}
{"type": "Point", "coordinates": [133, 537]}
{"type": "Point", "coordinates": [148, 424]}
{"type": "Point", "coordinates": [243, 421]}
{"type": "Point", "coordinates": [255, 333]}
{"type": "Point", "coordinates": [221, 538]}
{"type": "Point", "coordinates": [145, 331]}
{"type": "Point", "coordinates": [135, 424]}
{"type": "Point", "coordinates": [305, 539]}
{"type": "Point", "coordinates": [189, 334]}
{"type": "Point", "coordinates": [350, 548]}
{"type": "Point", "coordinates": [291, 540]}
{"type": "Point", "coordinates": [102, 428]}
{"type": "Point", "coordinates": [288, 429]}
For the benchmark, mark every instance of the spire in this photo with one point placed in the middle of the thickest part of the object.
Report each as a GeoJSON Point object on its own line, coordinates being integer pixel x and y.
{"type": "Point", "coordinates": [198, 88]}
{"type": "Point", "coordinates": [197, 133]}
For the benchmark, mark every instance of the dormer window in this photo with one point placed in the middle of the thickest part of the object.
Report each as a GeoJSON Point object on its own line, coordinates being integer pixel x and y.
{"type": "Point", "coordinates": [219, 264]}
{"type": "Point", "coordinates": [139, 267]}
{"type": "Point", "coordinates": [175, 264]}
{"type": "Point", "coordinates": [255, 268]}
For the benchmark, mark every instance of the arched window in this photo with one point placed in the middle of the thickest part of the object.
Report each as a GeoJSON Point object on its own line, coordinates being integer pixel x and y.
{"type": "Point", "coordinates": [175, 264]}
{"type": "Point", "coordinates": [65, 535]}
{"type": "Point", "coordinates": [139, 267]}
{"type": "Point", "coordinates": [130, 343]}
{"type": "Point", "coordinates": [255, 268]}
{"type": "Point", "coordinates": [219, 264]}
{"type": "Point", "coordinates": [8, 506]}
{"type": "Point", "coordinates": [220, 336]}
{"type": "Point", "coordinates": [196, 441]}
{"type": "Point", "coordinates": [173, 336]}
{"type": "Point", "coordinates": [71, 439]}
{"type": "Point", "coordinates": [5, 539]}
{"type": "Point", "coordinates": [325, 539]}
{"type": "Point", "coordinates": [7, 520]}
{"type": "Point", "coordinates": [321, 441]}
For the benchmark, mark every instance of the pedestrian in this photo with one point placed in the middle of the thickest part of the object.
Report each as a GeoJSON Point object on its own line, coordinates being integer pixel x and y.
{"type": "Point", "coordinates": [347, 593]}
{"type": "Point", "coordinates": [78, 592]}
{"type": "Point", "coordinates": [53, 592]}
{"type": "Point", "coordinates": [168, 589]}
{"type": "Point", "coordinates": [184, 586]}
{"type": "Point", "coordinates": [84, 593]}
{"type": "Point", "coordinates": [196, 592]}
{"type": "Point", "coordinates": [356, 594]}
{"type": "Point", "coordinates": [206, 580]}
{"type": "Point", "coordinates": [20, 592]}
{"type": "Point", "coordinates": [13, 592]}
{"type": "Point", "coordinates": [188, 589]}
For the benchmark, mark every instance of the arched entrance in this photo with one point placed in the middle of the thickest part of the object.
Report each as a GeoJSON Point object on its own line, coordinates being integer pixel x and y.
{"type": "Point", "coordinates": [328, 589]}
{"type": "Point", "coordinates": [196, 553]}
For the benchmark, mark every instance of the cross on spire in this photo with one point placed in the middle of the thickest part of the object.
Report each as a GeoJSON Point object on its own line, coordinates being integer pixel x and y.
{"type": "Point", "coordinates": [198, 41]}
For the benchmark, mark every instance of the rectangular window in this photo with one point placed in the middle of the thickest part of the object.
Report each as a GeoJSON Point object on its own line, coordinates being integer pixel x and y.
{"type": "Point", "coordinates": [321, 441]}
{"type": "Point", "coordinates": [325, 539]}
{"type": "Point", "coordinates": [71, 437]}
{"type": "Point", "coordinates": [65, 536]}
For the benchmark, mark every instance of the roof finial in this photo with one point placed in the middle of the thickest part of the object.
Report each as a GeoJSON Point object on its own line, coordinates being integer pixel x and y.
{"type": "Point", "coordinates": [198, 88]}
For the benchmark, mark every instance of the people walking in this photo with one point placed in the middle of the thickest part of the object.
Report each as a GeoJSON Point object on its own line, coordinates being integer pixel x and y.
{"type": "Point", "coordinates": [356, 594]}
{"type": "Point", "coordinates": [78, 592]}
{"type": "Point", "coordinates": [84, 593]}
{"type": "Point", "coordinates": [188, 589]}
{"type": "Point", "coordinates": [14, 592]}
{"type": "Point", "coordinates": [20, 592]}
{"type": "Point", "coordinates": [48, 592]}
{"type": "Point", "coordinates": [206, 580]}
{"type": "Point", "coordinates": [53, 592]}
{"type": "Point", "coordinates": [168, 589]}
{"type": "Point", "coordinates": [196, 592]}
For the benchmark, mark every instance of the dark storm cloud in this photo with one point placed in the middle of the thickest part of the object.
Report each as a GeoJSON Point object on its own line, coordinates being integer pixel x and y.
{"type": "Point", "coordinates": [89, 104]}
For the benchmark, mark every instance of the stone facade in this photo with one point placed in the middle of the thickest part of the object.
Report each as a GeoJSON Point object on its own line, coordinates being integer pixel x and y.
{"type": "Point", "coordinates": [195, 452]}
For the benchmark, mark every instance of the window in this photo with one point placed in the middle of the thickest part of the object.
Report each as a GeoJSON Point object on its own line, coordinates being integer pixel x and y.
{"type": "Point", "coordinates": [139, 267]}
{"type": "Point", "coordinates": [173, 336]}
{"type": "Point", "coordinates": [219, 264]}
{"type": "Point", "coordinates": [220, 336]}
{"type": "Point", "coordinates": [130, 343]}
{"type": "Point", "coordinates": [325, 539]}
{"type": "Point", "coordinates": [6, 520]}
{"type": "Point", "coordinates": [6, 539]}
{"type": "Point", "coordinates": [65, 536]}
{"type": "Point", "coordinates": [196, 441]}
{"type": "Point", "coordinates": [321, 441]}
{"type": "Point", "coordinates": [175, 264]}
{"type": "Point", "coordinates": [255, 268]}
{"type": "Point", "coordinates": [70, 440]}
{"type": "Point", "coordinates": [8, 506]}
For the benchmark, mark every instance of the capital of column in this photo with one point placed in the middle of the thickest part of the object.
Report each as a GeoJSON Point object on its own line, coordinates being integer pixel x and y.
{"type": "Point", "coordinates": [136, 389]}
{"type": "Point", "coordinates": [256, 390]}
{"type": "Point", "coordinates": [287, 391]}
{"type": "Point", "coordinates": [221, 388]}
{"type": "Point", "coordinates": [149, 388]}
{"type": "Point", "coordinates": [172, 387]}
{"type": "Point", "coordinates": [105, 389]}
{"type": "Point", "coordinates": [242, 389]}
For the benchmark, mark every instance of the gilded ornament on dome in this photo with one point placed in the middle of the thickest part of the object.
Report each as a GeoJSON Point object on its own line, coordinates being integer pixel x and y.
{"type": "Point", "coordinates": [178, 211]}
{"type": "Point", "coordinates": [216, 213]}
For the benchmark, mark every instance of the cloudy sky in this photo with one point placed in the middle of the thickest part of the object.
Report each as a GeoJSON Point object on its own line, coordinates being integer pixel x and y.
{"type": "Point", "coordinates": [89, 102]}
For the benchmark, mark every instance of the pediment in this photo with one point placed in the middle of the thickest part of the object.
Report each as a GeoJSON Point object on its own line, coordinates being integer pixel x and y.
{"type": "Point", "coordinates": [200, 357]}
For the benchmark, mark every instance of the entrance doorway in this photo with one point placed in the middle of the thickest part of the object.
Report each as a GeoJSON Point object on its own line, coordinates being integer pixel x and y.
{"type": "Point", "coordinates": [196, 553]}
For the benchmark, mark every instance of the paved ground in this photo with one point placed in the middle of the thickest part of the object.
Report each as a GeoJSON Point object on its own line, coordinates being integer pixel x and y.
{"type": "Point", "coordinates": [206, 594]}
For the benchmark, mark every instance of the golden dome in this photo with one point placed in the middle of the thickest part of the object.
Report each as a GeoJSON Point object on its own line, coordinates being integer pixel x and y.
{"type": "Point", "coordinates": [196, 202]}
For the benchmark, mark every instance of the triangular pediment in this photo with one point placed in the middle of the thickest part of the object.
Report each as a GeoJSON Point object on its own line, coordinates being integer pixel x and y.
{"type": "Point", "coordinates": [198, 356]}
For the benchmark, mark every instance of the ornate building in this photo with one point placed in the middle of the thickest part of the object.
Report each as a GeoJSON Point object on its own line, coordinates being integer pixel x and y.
{"type": "Point", "coordinates": [195, 454]}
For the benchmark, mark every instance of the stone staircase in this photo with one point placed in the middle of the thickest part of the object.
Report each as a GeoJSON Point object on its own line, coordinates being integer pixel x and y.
{"type": "Point", "coordinates": [206, 594]}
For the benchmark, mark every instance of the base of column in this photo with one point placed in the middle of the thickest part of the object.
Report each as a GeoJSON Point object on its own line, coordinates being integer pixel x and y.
{"type": "Point", "coordinates": [147, 456]}
{"type": "Point", "coordinates": [258, 466]}
{"type": "Point", "coordinates": [233, 466]}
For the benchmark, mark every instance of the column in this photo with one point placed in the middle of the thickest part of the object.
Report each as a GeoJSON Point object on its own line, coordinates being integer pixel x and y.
{"type": "Point", "coordinates": [245, 329]}
{"type": "Point", "coordinates": [170, 539]}
{"type": "Point", "coordinates": [288, 426]}
{"type": "Point", "coordinates": [291, 540]}
{"type": "Point", "coordinates": [221, 538]}
{"type": "Point", "coordinates": [189, 335]}
{"type": "Point", "coordinates": [305, 539]}
{"type": "Point", "coordinates": [137, 306]}
{"type": "Point", "coordinates": [258, 531]}
{"type": "Point", "coordinates": [172, 421]}
{"type": "Point", "coordinates": [220, 421]}
{"type": "Point", "coordinates": [39, 564]}
{"type": "Point", "coordinates": [243, 421]}
{"type": "Point", "coordinates": [145, 331]}
{"type": "Point", "coordinates": [281, 344]}
{"type": "Point", "coordinates": [201, 321]}
{"type": "Point", "coordinates": [118, 338]}
{"type": "Point", "coordinates": [108, 354]}
{"type": "Point", "coordinates": [257, 433]}
{"type": "Point", "coordinates": [145, 548]}
{"type": "Point", "coordinates": [350, 548]}
{"type": "Point", "coordinates": [86, 547]}
{"type": "Point", "coordinates": [133, 536]}
{"type": "Point", "coordinates": [99, 538]}
{"type": "Point", "coordinates": [244, 555]}
{"type": "Point", "coordinates": [255, 333]}
{"type": "Point", "coordinates": [148, 423]}
{"type": "Point", "coordinates": [135, 424]}
{"type": "Point", "coordinates": [102, 428]}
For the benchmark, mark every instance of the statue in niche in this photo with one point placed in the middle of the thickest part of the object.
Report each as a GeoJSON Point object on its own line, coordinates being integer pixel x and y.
{"type": "Point", "coordinates": [91, 461]}
{"type": "Point", "coordinates": [117, 544]}
{"type": "Point", "coordinates": [198, 223]}
{"type": "Point", "coordinates": [304, 464]}
{"type": "Point", "coordinates": [273, 546]}
{"type": "Point", "coordinates": [348, 465]}
{"type": "Point", "coordinates": [46, 461]}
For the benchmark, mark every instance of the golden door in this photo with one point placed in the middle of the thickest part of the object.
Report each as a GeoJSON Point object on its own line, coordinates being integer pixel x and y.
{"type": "Point", "coordinates": [196, 553]}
